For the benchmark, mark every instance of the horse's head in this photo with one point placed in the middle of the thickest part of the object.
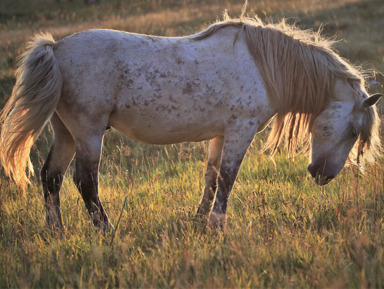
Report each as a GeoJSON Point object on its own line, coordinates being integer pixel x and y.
{"type": "Point", "coordinates": [349, 119]}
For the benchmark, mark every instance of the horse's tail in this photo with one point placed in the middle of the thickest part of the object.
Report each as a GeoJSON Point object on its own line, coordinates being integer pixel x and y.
{"type": "Point", "coordinates": [32, 103]}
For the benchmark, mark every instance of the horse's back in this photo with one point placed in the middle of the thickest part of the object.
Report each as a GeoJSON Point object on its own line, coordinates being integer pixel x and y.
{"type": "Point", "coordinates": [158, 89]}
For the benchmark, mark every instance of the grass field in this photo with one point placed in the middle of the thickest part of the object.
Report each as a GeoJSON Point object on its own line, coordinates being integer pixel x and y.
{"type": "Point", "coordinates": [283, 230]}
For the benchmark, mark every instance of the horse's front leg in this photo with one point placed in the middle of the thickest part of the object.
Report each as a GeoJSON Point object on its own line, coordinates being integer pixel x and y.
{"type": "Point", "coordinates": [211, 174]}
{"type": "Point", "coordinates": [235, 147]}
{"type": "Point", "coordinates": [88, 150]}
{"type": "Point", "coordinates": [52, 173]}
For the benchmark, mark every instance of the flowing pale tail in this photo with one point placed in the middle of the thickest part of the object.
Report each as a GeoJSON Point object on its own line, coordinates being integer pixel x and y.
{"type": "Point", "coordinates": [32, 103]}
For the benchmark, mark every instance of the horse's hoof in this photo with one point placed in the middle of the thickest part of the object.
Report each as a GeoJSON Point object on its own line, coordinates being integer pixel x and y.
{"type": "Point", "coordinates": [217, 221]}
{"type": "Point", "coordinates": [200, 222]}
{"type": "Point", "coordinates": [54, 223]}
{"type": "Point", "coordinates": [56, 227]}
{"type": "Point", "coordinates": [109, 228]}
{"type": "Point", "coordinates": [53, 217]}
{"type": "Point", "coordinates": [106, 228]}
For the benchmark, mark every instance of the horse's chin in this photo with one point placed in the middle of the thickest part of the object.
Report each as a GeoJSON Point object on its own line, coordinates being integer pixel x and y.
{"type": "Point", "coordinates": [320, 178]}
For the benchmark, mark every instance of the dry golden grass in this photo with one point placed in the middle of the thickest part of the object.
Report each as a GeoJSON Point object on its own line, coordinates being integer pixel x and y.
{"type": "Point", "coordinates": [284, 231]}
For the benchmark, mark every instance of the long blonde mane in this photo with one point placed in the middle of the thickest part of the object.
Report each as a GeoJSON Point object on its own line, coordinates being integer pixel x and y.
{"type": "Point", "coordinates": [299, 68]}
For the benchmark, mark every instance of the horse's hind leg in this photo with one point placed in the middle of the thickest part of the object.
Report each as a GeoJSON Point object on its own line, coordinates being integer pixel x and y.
{"type": "Point", "coordinates": [52, 173]}
{"type": "Point", "coordinates": [88, 150]}
{"type": "Point", "coordinates": [211, 174]}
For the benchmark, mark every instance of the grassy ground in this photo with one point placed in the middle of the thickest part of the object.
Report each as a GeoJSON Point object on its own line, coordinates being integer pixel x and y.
{"type": "Point", "coordinates": [284, 231]}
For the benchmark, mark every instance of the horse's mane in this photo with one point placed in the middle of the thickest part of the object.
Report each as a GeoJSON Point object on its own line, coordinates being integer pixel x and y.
{"type": "Point", "coordinates": [299, 68]}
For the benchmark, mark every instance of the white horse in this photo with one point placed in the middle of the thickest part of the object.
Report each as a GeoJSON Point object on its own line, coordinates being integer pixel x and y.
{"type": "Point", "coordinates": [224, 84]}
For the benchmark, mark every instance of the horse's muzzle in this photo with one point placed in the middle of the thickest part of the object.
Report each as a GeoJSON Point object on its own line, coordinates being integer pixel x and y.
{"type": "Point", "coordinates": [318, 174]}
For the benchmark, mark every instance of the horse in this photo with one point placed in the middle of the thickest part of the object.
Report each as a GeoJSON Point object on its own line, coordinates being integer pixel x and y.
{"type": "Point", "coordinates": [223, 84]}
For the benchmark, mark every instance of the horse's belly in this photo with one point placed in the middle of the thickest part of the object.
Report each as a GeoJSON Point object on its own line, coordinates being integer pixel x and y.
{"type": "Point", "coordinates": [166, 129]}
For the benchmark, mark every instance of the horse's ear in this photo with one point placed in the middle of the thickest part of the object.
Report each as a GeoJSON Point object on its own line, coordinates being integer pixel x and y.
{"type": "Point", "coordinates": [372, 100]}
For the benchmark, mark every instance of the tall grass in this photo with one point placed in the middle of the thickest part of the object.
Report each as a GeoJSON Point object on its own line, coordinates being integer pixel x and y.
{"type": "Point", "coordinates": [284, 231]}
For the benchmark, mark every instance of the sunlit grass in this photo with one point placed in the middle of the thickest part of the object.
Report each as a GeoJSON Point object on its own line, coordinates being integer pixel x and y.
{"type": "Point", "coordinates": [283, 229]}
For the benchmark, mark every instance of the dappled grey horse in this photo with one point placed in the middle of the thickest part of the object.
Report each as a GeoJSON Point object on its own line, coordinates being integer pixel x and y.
{"type": "Point", "coordinates": [223, 84]}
